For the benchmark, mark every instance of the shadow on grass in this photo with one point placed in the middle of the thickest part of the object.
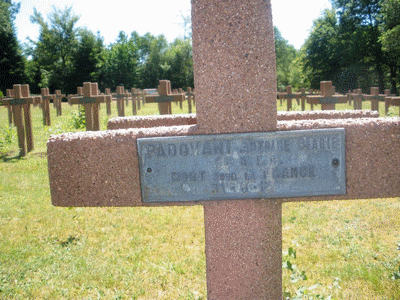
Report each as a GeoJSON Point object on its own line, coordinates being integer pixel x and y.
{"type": "Point", "coordinates": [11, 158]}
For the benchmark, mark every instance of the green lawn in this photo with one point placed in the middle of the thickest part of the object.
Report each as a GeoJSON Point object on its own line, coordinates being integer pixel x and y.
{"type": "Point", "coordinates": [344, 249]}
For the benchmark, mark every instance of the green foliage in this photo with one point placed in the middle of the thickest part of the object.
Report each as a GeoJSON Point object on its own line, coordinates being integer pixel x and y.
{"type": "Point", "coordinates": [12, 63]}
{"type": "Point", "coordinates": [78, 120]}
{"type": "Point", "coordinates": [87, 58]}
{"type": "Point", "coordinates": [178, 65]}
{"type": "Point", "coordinates": [154, 66]}
{"type": "Point", "coordinates": [6, 138]}
{"type": "Point", "coordinates": [396, 275]}
{"type": "Point", "coordinates": [56, 47]}
{"type": "Point", "coordinates": [120, 63]}
{"type": "Point", "coordinates": [390, 38]}
{"type": "Point", "coordinates": [45, 78]}
{"type": "Point", "coordinates": [353, 46]}
{"type": "Point", "coordinates": [297, 291]}
{"type": "Point", "coordinates": [322, 58]}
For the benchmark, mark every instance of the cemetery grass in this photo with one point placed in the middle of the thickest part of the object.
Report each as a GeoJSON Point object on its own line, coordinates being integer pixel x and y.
{"type": "Point", "coordinates": [347, 249]}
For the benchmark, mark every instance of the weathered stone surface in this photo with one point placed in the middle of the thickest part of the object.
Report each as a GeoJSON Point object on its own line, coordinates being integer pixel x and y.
{"type": "Point", "coordinates": [191, 119]}
{"type": "Point", "coordinates": [101, 168]}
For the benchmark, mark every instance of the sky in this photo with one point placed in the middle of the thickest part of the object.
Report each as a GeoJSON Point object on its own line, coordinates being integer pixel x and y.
{"type": "Point", "coordinates": [293, 18]}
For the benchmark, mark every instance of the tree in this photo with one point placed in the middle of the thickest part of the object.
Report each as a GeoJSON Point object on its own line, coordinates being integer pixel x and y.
{"type": "Point", "coordinates": [12, 63]}
{"type": "Point", "coordinates": [120, 63]}
{"type": "Point", "coordinates": [154, 67]}
{"type": "Point", "coordinates": [285, 57]}
{"type": "Point", "coordinates": [322, 49]}
{"type": "Point", "coordinates": [359, 30]}
{"type": "Point", "coordinates": [56, 47]}
{"type": "Point", "coordinates": [390, 38]}
{"type": "Point", "coordinates": [178, 66]}
{"type": "Point", "coordinates": [87, 59]}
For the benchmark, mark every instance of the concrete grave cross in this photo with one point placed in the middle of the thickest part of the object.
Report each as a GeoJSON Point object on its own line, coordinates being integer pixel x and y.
{"type": "Point", "coordinates": [165, 97]}
{"type": "Point", "coordinates": [327, 99]}
{"type": "Point", "coordinates": [388, 100]}
{"type": "Point", "coordinates": [357, 98]}
{"type": "Point", "coordinates": [394, 101]}
{"type": "Point", "coordinates": [9, 96]}
{"type": "Point", "coordinates": [79, 92]}
{"type": "Point", "coordinates": [121, 95]}
{"type": "Point", "coordinates": [58, 102]}
{"type": "Point", "coordinates": [289, 96]}
{"type": "Point", "coordinates": [21, 108]}
{"type": "Point", "coordinates": [135, 100]}
{"type": "Point", "coordinates": [375, 98]}
{"type": "Point", "coordinates": [303, 98]}
{"type": "Point", "coordinates": [108, 101]}
{"type": "Point", "coordinates": [190, 97]}
{"type": "Point", "coordinates": [91, 101]}
{"type": "Point", "coordinates": [235, 80]}
{"type": "Point", "coordinates": [45, 105]}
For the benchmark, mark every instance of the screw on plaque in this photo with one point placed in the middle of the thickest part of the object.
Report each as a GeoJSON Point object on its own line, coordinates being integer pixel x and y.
{"type": "Point", "coordinates": [149, 170]}
{"type": "Point", "coordinates": [335, 162]}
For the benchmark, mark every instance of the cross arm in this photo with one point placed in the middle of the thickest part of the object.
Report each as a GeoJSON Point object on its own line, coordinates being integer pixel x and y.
{"type": "Point", "coordinates": [102, 168]}
{"type": "Point", "coordinates": [165, 98]}
{"type": "Point", "coordinates": [318, 99]}
{"type": "Point", "coordinates": [86, 100]}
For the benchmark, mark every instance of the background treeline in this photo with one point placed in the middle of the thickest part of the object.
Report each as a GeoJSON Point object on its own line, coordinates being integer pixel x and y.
{"type": "Point", "coordinates": [356, 44]}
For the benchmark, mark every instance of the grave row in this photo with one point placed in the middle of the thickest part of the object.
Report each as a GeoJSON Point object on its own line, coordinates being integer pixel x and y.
{"type": "Point", "coordinates": [329, 98]}
{"type": "Point", "coordinates": [18, 102]}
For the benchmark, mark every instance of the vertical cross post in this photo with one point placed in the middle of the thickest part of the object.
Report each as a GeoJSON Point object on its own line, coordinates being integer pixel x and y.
{"type": "Point", "coordinates": [9, 95]}
{"type": "Point", "coordinates": [121, 95]}
{"type": "Point", "coordinates": [190, 97]}
{"type": "Point", "coordinates": [46, 105]}
{"type": "Point", "coordinates": [238, 99]}
{"type": "Point", "coordinates": [20, 104]}
{"type": "Point", "coordinates": [135, 100]}
{"type": "Point", "coordinates": [58, 102]}
{"type": "Point", "coordinates": [394, 101]}
{"type": "Point", "coordinates": [90, 101]}
{"type": "Point", "coordinates": [388, 100]}
{"type": "Point", "coordinates": [375, 98]}
{"type": "Point", "coordinates": [357, 98]}
{"type": "Point", "coordinates": [180, 90]}
{"type": "Point", "coordinates": [289, 96]}
{"type": "Point", "coordinates": [303, 97]}
{"type": "Point", "coordinates": [108, 100]}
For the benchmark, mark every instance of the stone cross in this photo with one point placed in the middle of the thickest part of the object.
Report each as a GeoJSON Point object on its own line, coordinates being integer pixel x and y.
{"type": "Point", "coordinates": [303, 98]}
{"type": "Point", "coordinates": [165, 97]}
{"type": "Point", "coordinates": [79, 92]}
{"type": "Point", "coordinates": [46, 105]}
{"type": "Point", "coordinates": [121, 95]}
{"type": "Point", "coordinates": [9, 96]}
{"type": "Point", "coordinates": [136, 93]}
{"type": "Point", "coordinates": [190, 97]}
{"type": "Point", "coordinates": [375, 98]}
{"type": "Point", "coordinates": [357, 98]}
{"type": "Point", "coordinates": [58, 102]}
{"type": "Point", "coordinates": [394, 101]}
{"type": "Point", "coordinates": [289, 96]}
{"type": "Point", "coordinates": [388, 100]}
{"type": "Point", "coordinates": [91, 101]}
{"type": "Point", "coordinates": [327, 99]}
{"type": "Point", "coordinates": [235, 80]}
{"type": "Point", "coordinates": [108, 101]}
{"type": "Point", "coordinates": [21, 109]}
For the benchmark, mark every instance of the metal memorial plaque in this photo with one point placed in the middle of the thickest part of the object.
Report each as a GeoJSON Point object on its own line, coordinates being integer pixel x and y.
{"type": "Point", "coordinates": [329, 100]}
{"type": "Point", "coordinates": [243, 166]}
